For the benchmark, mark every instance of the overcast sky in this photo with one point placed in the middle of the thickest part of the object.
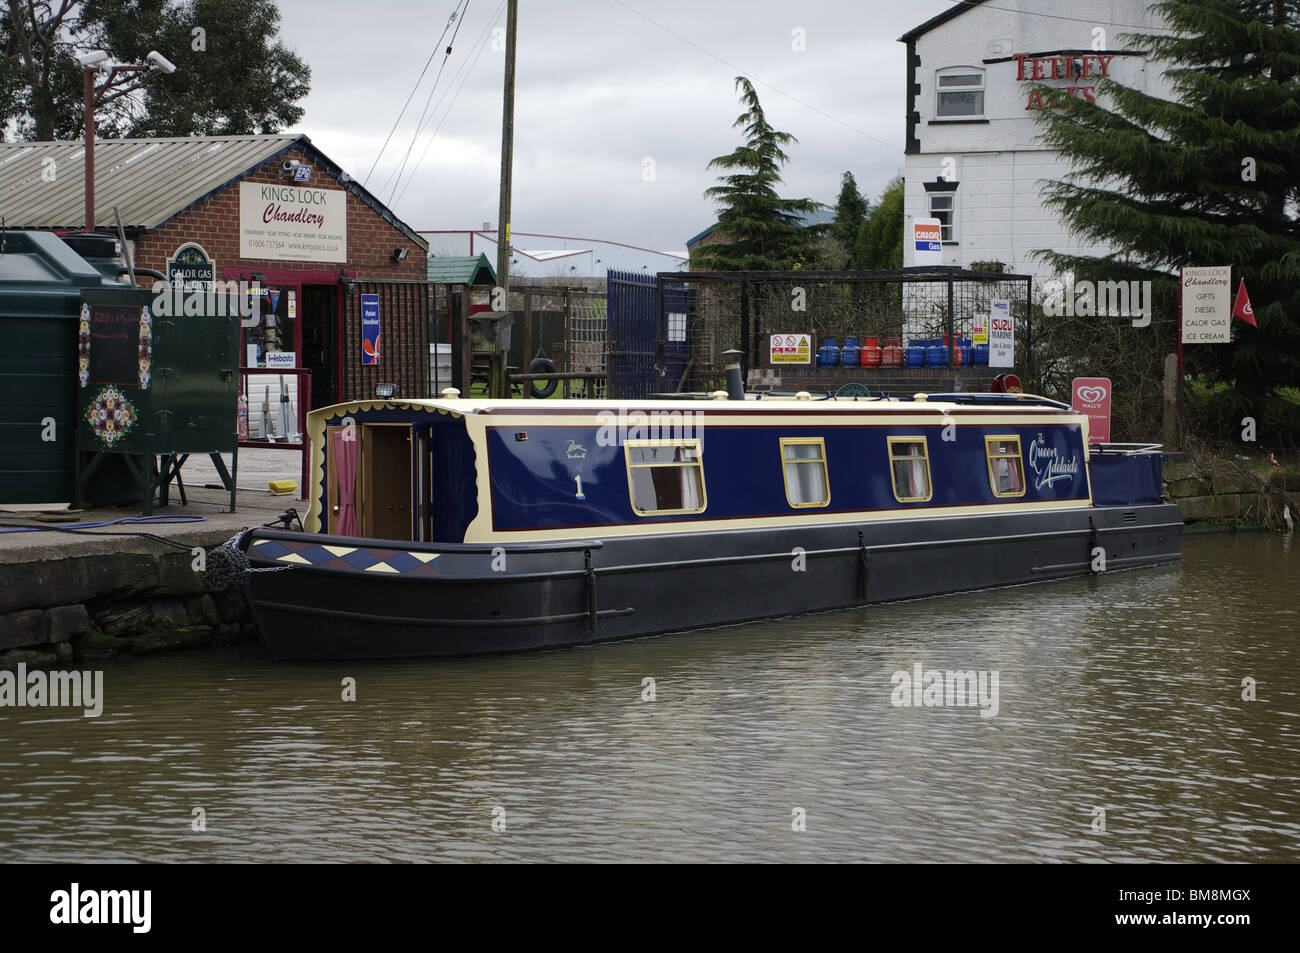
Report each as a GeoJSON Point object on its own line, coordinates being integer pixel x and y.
{"type": "Point", "coordinates": [602, 87]}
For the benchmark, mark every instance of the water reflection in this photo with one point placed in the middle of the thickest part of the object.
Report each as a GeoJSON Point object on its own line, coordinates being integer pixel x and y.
{"type": "Point", "coordinates": [1121, 693]}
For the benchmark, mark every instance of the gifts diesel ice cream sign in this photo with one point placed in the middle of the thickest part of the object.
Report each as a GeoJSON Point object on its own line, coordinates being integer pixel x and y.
{"type": "Point", "coordinates": [292, 223]}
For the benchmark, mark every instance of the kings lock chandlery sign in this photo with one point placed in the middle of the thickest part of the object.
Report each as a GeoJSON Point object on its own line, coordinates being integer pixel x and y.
{"type": "Point", "coordinates": [292, 223]}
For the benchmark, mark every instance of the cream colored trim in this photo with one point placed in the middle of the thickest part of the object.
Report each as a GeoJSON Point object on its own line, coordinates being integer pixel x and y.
{"type": "Point", "coordinates": [826, 475]}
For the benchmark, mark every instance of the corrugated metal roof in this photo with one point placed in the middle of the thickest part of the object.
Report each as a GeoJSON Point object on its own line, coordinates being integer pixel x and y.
{"type": "Point", "coordinates": [149, 180]}
{"type": "Point", "coordinates": [460, 269]}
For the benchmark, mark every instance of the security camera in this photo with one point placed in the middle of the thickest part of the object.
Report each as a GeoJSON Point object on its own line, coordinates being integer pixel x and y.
{"type": "Point", "coordinates": [93, 58]}
{"type": "Point", "coordinates": [160, 62]}
{"type": "Point", "coordinates": [291, 164]}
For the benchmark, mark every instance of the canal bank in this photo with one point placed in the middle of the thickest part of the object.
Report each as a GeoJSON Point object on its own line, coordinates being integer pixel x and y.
{"type": "Point", "coordinates": [68, 598]}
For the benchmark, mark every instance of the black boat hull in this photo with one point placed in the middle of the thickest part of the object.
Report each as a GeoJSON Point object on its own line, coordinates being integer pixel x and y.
{"type": "Point", "coordinates": [476, 599]}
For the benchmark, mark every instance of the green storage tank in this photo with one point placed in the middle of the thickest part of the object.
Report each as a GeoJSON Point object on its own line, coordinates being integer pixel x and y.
{"type": "Point", "coordinates": [41, 283]}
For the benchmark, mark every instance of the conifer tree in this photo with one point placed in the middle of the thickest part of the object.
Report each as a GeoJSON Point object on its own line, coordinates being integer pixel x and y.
{"type": "Point", "coordinates": [758, 230]}
{"type": "Point", "coordinates": [1209, 178]}
{"type": "Point", "coordinates": [850, 212]}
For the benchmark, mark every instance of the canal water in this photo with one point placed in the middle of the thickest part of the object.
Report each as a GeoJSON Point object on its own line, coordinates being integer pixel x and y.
{"type": "Point", "coordinates": [1120, 734]}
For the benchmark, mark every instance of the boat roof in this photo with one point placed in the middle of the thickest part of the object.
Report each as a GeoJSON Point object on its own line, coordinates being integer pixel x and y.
{"type": "Point", "coordinates": [956, 402]}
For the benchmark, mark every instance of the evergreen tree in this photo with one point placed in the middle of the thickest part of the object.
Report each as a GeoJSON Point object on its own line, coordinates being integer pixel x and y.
{"type": "Point", "coordinates": [850, 212]}
{"type": "Point", "coordinates": [1211, 178]}
{"type": "Point", "coordinates": [880, 238]}
{"type": "Point", "coordinates": [758, 230]}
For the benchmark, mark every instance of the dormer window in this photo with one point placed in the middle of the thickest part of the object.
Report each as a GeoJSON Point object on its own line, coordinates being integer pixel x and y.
{"type": "Point", "coordinates": [959, 93]}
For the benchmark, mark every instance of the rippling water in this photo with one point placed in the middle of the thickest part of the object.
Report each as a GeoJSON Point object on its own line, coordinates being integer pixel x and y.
{"type": "Point", "coordinates": [1121, 693]}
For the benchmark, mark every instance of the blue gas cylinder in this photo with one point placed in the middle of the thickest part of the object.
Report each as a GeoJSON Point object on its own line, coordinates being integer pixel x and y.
{"type": "Point", "coordinates": [979, 354]}
{"type": "Point", "coordinates": [828, 355]}
{"type": "Point", "coordinates": [850, 352]}
{"type": "Point", "coordinates": [936, 355]}
{"type": "Point", "coordinates": [914, 355]}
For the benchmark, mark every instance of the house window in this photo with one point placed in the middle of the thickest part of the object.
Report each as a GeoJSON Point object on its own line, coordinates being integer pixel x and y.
{"type": "Point", "coordinates": [960, 94]}
{"type": "Point", "coordinates": [1006, 467]}
{"type": "Point", "coordinates": [909, 469]}
{"type": "Point", "coordinates": [665, 476]}
{"type": "Point", "coordinates": [941, 207]}
{"type": "Point", "coordinates": [803, 463]}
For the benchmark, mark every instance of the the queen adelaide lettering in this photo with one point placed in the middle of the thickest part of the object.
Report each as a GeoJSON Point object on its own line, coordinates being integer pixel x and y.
{"type": "Point", "coordinates": [1048, 465]}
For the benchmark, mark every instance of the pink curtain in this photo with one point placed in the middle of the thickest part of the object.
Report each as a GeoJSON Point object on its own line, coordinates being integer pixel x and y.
{"type": "Point", "coordinates": [345, 460]}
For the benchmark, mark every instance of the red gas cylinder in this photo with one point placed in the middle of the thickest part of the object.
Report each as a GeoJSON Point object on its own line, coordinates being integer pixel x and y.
{"type": "Point", "coordinates": [956, 353]}
{"type": "Point", "coordinates": [891, 355]}
{"type": "Point", "coordinates": [870, 356]}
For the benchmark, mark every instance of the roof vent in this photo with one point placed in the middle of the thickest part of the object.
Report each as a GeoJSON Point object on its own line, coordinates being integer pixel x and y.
{"type": "Point", "coordinates": [803, 395]}
{"type": "Point", "coordinates": [450, 393]}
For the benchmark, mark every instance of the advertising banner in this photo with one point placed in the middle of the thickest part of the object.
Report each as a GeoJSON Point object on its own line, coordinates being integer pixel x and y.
{"type": "Point", "coordinates": [1207, 304]}
{"type": "Point", "coordinates": [370, 329]}
{"type": "Point", "coordinates": [1002, 334]}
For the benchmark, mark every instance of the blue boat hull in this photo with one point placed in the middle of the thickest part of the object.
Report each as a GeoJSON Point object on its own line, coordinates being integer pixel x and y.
{"type": "Point", "coordinates": [347, 598]}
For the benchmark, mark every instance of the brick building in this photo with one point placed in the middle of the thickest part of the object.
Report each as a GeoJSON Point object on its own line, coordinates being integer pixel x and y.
{"type": "Point", "coordinates": [272, 209]}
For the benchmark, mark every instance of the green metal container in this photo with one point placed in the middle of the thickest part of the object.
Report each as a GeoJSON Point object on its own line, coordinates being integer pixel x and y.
{"type": "Point", "coordinates": [41, 282]}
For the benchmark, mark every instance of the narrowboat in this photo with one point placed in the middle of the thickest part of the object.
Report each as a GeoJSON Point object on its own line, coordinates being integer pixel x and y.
{"type": "Point", "coordinates": [455, 526]}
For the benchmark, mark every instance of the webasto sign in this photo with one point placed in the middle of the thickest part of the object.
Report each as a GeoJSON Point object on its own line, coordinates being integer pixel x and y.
{"type": "Point", "coordinates": [292, 223]}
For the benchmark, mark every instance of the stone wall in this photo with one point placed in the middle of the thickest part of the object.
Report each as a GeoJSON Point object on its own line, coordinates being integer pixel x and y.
{"type": "Point", "coordinates": [64, 610]}
{"type": "Point", "coordinates": [1220, 491]}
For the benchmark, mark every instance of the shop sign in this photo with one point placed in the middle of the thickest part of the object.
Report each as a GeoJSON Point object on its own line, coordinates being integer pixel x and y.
{"type": "Point", "coordinates": [191, 266]}
{"type": "Point", "coordinates": [926, 241]}
{"type": "Point", "coordinates": [1207, 304]}
{"type": "Point", "coordinates": [292, 223]}
{"type": "Point", "coordinates": [1069, 66]}
{"type": "Point", "coordinates": [1002, 334]}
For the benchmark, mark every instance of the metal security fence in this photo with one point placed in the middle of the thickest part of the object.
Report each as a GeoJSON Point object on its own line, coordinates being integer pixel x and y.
{"type": "Point", "coordinates": [405, 308]}
{"type": "Point", "coordinates": [741, 310]}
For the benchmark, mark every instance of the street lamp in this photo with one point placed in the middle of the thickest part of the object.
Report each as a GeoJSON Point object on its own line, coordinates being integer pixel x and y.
{"type": "Point", "coordinates": [92, 64]}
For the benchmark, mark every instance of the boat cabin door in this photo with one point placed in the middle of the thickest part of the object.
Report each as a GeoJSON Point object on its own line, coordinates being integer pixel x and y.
{"type": "Point", "coordinates": [368, 489]}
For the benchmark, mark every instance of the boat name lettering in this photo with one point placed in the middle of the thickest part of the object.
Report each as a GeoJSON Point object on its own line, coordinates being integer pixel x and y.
{"type": "Point", "coordinates": [1048, 464]}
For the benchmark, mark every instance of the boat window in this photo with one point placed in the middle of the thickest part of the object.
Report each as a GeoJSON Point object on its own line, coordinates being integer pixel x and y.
{"type": "Point", "coordinates": [665, 476]}
{"type": "Point", "coordinates": [1006, 468]}
{"type": "Point", "coordinates": [803, 461]}
{"type": "Point", "coordinates": [909, 468]}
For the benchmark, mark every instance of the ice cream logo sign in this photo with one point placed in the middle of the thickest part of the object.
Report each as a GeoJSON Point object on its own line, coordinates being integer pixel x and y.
{"type": "Point", "coordinates": [1048, 465]}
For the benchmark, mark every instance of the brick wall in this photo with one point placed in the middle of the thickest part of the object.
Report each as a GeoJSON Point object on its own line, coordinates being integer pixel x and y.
{"type": "Point", "coordinates": [214, 224]}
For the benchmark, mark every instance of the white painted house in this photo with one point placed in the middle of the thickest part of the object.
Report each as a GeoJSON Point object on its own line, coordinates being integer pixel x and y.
{"type": "Point", "coordinates": [971, 156]}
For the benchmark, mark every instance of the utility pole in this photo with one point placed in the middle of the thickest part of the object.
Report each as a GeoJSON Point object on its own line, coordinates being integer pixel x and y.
{"type": "Point", "coordinates": [499, 386]}
{"type": "Point", "coordinates": [507, 149]}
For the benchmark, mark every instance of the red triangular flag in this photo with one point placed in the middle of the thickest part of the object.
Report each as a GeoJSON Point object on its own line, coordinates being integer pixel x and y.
{"type": "Point", "coordinates": [1242, 308]}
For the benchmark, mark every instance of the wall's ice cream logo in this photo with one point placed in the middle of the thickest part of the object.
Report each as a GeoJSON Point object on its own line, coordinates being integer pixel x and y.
{"type": "Point", "coordinates": [1091, 396]}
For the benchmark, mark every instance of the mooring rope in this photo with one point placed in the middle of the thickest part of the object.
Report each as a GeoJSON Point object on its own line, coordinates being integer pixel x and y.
{"type": "Point", "coordinates": [227, 565]}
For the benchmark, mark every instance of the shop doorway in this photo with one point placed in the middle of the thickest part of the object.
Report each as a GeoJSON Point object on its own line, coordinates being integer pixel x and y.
{"type": "Point", "coordinates": [320, 342]}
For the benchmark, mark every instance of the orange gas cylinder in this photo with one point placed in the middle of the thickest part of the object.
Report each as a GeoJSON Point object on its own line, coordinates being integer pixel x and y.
{"type": "Point", "coordinates": [870, 356]}
{"type": "Point", "coordinates": [891, 355]}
